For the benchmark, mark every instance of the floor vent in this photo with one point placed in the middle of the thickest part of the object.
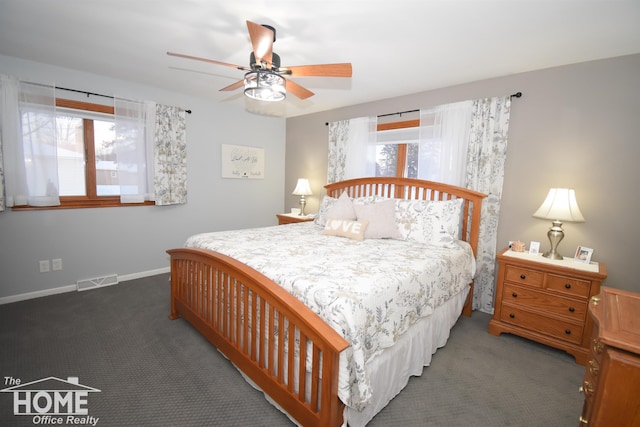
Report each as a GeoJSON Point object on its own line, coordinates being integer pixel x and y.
{"type": "Point", "coordinates": [97, 282]}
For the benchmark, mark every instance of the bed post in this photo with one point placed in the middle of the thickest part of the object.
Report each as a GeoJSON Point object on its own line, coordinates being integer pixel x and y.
{"type": "Point", "coordinates": [173, 315]}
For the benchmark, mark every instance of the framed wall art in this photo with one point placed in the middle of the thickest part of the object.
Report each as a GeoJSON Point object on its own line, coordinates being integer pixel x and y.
{"type": "Point", "coordinates": [242, 162]}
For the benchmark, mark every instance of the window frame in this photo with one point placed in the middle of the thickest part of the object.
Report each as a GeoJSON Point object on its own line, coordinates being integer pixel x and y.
{"type": "Point", "coordinates": [402, 148]}
{"type": "Point", "coordinates": [91, 200]}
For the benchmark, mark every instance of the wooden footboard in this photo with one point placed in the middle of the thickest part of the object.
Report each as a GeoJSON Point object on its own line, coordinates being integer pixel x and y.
{"type": "Point", "coordinates": [278, 342]}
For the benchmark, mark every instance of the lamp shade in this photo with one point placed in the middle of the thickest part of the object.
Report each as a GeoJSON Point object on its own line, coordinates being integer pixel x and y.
{"type": "Point", "coordinates": [302, 188]}
{"type": "Point", "coordinates": [560, 205]}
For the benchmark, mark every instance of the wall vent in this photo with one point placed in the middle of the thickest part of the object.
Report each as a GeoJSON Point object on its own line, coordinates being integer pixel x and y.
{"type": "Point", "coordinates": [97, 282]}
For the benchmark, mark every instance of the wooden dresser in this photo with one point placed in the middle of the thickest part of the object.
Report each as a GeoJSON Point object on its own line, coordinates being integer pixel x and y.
{"type": "Point", "coordinates": [546, 300]}
{"type": "Point", "coordinates": [612, 379]}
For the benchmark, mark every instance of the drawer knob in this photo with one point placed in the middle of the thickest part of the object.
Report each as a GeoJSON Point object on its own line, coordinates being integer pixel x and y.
{"type": "Point", "coordinates": [586, 388]}
{"type": "Point", "coordinates": [597, 346]}
{"type": "Point", "coordinates": [571, 309]}
{"type": "Point", "coordinates": [514, 294]}
{"type": "Point", "coordinates": [523, 276]}
{"type": "Point", "coordinates": [567, 331]}
{"type": "Point", "coordinates": [567, 285]}
{"type": "Point", "coordinates": [511, 315]}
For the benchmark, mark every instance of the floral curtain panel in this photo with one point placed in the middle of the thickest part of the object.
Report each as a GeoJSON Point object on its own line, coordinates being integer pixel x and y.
{"type": "Point", "coordinates": [486, 157]}
{"type": "Point", "coordinates": [170, 156]}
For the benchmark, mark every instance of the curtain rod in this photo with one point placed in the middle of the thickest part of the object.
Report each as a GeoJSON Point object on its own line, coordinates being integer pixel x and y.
{"type": "Point", "coordinates": [514, 95]}
{"type": "Point", "coordinates": [400, 113]}
{"type": "Point", "coordinates": [96, 94]}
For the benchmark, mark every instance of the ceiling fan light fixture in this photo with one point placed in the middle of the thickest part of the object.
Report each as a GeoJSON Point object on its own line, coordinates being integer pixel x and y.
{"type": "Point", "coordinates": [263, 85]}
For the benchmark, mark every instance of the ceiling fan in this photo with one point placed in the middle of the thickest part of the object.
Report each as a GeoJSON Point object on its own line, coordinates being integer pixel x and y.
{"type": "Point", "coordinates": [264, 79]}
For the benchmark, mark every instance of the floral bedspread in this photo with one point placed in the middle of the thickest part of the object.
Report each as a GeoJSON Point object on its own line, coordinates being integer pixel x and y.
{"type": "Point", "coordinates": [370, 291]}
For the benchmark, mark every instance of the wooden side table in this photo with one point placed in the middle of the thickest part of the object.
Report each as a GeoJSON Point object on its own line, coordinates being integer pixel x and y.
{"type": "Point", "coordinates": [546, 300]}
{"type": "Point", "coordinates": [293, 218]}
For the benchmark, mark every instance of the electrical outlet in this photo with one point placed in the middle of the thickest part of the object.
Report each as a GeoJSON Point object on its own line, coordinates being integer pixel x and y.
{"type": "Point", "coordinates": [44, 266]}
{"type": "Point", "coordinates": [56, 264]}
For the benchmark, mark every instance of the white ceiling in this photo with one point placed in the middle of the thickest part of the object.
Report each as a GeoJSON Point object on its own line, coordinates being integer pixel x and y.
{"type": "Point", "coordinates": [396, 47]}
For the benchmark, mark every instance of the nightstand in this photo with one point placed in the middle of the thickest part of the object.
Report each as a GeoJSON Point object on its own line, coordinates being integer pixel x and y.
{"type": "Point", "coordinates": [293, 218]}
{"type": "Point", "coordinates": [546, 300]}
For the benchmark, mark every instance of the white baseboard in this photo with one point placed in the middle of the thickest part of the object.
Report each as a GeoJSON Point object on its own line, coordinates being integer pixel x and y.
{"type": "Point", "coordinates": [72, 288]}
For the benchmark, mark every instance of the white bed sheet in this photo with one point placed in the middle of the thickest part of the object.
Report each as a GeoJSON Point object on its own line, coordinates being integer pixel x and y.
{"type": "Point", "coordinates": [369, 291]}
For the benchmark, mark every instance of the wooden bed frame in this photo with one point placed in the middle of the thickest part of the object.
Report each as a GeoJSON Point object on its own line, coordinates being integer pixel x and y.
{"type": "Point", "coordinates": [223, 299]}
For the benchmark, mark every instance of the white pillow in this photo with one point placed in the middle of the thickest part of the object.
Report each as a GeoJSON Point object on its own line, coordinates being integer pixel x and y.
{"type": "Point", "coordinates": [381, 217]}
{"type": "Point", "coordinates": [345, 228]}
{"type": "Point", "coordinates": [325, 205]}
{"type": "Point", "coordinates": [342, 208]}
{"type": "Point", "coordinates": [434, 222]}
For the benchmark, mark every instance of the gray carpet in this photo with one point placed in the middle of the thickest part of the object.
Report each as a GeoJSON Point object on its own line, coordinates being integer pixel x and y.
{"type": "Point", "coordinates": [155, 372]}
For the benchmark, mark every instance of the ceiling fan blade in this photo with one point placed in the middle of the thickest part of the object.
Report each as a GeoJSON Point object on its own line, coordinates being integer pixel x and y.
{"type": "Point", "coordinates": [211, 61]}
{"type": "Point", "coordinates": [233, 86]}
{"type": "Point", "coordinates": [262, 42]}
{"type": "Point", "coordinates": [321, 70]}
{"type": "Point", "coordinates": [298, 90]}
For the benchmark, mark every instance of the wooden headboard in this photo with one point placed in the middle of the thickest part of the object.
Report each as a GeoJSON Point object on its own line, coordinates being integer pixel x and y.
{"type": "Point", "coordinates": [417, 189]}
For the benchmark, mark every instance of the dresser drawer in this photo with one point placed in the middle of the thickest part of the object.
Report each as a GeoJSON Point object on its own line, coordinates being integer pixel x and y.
{"type": "Point", "coordinates": [524, 276]}
{"type": "Point", "coordinates": [568, 285]}
{"type": "Point", "coordinates": [532, 298]}
{"type": "Point", "coordinates": [556, 328]}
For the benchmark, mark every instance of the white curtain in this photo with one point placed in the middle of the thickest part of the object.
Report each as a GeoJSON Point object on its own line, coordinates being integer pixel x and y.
{"type": "Point", "coordinates": [151, 148]}
{"type": "Point", "coordinates": [133, 149]}
{"type": "Point", "coordinates": [352, 149]}
{"type": "Point", "coordinates": [443, 141]}
{"type": "Point", "coordinates": [30, 161]}
{"type": "Point", "coordinates": [170, 155]}
{"type": "Point", "coordinates": [486, 157]}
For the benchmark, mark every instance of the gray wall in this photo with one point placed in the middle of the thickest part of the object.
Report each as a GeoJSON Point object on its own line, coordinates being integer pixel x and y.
{"type": "Point", "coordinates": [575, 126]}
{"type": "Point", "coordinates": [132, 241]}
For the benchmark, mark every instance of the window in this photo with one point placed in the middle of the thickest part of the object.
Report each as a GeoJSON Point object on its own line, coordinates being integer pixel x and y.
{"type": "Point", "coordinates": [87, 162]}
{"type": "Point", "coordinates": [397, 149]}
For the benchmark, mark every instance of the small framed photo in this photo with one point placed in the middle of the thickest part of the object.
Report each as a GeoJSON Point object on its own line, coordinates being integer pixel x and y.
{"type": "Point", "coordinates": [583, 254]}
{"type": "Point", "coordinates": [534, 248]}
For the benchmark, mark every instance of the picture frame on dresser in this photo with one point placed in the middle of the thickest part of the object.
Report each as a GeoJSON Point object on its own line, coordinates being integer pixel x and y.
{"type": "Point", "coordinates": [583, 254]}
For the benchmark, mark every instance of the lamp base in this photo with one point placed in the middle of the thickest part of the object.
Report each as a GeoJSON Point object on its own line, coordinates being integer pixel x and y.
{"type": "Point", "coordinates": [555, 235]}
{"type": "Point", "coordinates": [552, 255]}
{"type": "Point", "coordinates": [303, 203]}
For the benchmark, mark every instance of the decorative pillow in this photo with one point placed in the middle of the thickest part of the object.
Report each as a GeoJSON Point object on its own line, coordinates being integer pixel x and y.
{"type": "Point", "coordinates": [327, 203]}
{"type": "Point", "coordinates": [429, 221]}
{"type": "Point", "coordinates": [381, 217]}
{"type": "Point", "coordinates": [342, 208]}
{"type": "Point", "coordinates": [368, 200]}
{"type": "Point", "coordinates": [345, 228]}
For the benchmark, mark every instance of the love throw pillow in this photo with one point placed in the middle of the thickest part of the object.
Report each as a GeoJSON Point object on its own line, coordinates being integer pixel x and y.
{"type": "Point", "coordinates": [345, 228]}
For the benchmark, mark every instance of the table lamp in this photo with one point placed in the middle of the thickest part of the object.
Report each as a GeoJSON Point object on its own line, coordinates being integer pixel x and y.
{"type": "Point", "coordinates": [560, 205]}
{"type": "Point", "coordinates": [302, 189]}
